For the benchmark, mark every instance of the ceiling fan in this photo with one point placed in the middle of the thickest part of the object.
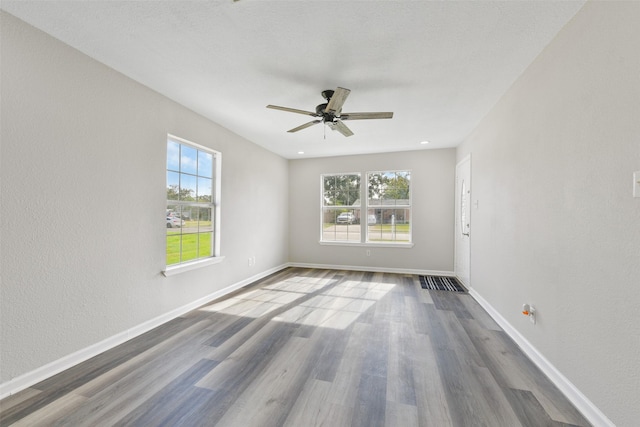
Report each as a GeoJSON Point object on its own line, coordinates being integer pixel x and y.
{"type": "Point", "coordinates": [330, 113]}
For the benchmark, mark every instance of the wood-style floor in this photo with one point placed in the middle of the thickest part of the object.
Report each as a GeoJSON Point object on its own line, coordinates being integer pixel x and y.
{"type": "Point", "coordinates": [308, 348]}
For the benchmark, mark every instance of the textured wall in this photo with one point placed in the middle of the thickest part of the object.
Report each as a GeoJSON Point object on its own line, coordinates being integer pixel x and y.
{"type": "Point", "coordinates": [432, 180]}
{"type": "Point", "coordinates": [83, 159]}
{"type": "Point", "coordinates": [556, 225]}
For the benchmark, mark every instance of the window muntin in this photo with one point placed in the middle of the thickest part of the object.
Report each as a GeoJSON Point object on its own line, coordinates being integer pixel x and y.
{"type": "Point", "coordinates": [341, 208]}
{"type": "Point", "coordinates": [191, 202]}
{"type": "Point", "coordinates": [389, 206]}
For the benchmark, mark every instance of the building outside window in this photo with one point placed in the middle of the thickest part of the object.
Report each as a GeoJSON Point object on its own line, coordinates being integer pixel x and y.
{"type": "Point", "coordinates": [192, 201]}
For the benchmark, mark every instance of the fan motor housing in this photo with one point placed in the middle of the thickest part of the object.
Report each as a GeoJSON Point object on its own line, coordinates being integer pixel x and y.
{"type": "Point", "coordinates": [326, 116]}
{"type": "Point", "coordinates": [320, 109]}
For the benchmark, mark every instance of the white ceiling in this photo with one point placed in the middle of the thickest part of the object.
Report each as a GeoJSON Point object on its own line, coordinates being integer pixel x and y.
{"type": "Point", "coordinates": [439, 66]}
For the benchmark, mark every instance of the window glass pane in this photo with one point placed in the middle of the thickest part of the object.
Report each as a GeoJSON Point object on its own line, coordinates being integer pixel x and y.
{"type": "Point", "coordinates": [388, 225]}
{"type": "Point", "coordinates": [375, 189]}
{"type": "Point", "coordinates": [188, 159]}
{"type": "Point", "coordinates": [189, 247]}
{"type": "Point", "coordinates": [341, 225]}
{"type": "Point", "coordinates": [205, 164]}
{"type": "Point", "coordinates": [173, 156]}
{"type": "Point", "coordinates": [174, 219]}
{"type": "Point", "coordinates": [173, 249]}
{"type": "Point", "coordinates": [353, 198]}
{"type": "Point", "coordinates": [204, 220]}
{"type": "Point", "coordinates": [328, 224]}
{"type": "Point", "coordinates": [187, 187]}
{"type": "Point", "coordinates": [204, 190]}
{"type": "Point", "coordinates": [329, 183]}
{"type": "Point", "coordinates": [397, 188]}
{"type": "Point", "coordinates": [204, 245]}
{"type": "Point", "coordinates": [173, 185]}
{"type": "Point", "coordinates": [329, 199]}
{"type": "Point", "coordinates": [353, 183]}
{"type": "Point", "coordinates": [188, 213]}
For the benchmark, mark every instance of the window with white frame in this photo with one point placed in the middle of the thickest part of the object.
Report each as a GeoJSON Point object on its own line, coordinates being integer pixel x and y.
{"type": "Point", "coordinates": [192, 201]}
{"type": "Point", "coordinates": [341, 208]}
{"type": "Point", "coordinates": [383, 218]}
{"type": "Point", "coordinates": [389, 206]}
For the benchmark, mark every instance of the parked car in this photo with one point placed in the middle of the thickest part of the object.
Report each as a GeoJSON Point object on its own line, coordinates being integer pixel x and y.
{"type": "Point", "coordinates": [173, 222]}
{"type": "Point", "coordinates": [346, 218]}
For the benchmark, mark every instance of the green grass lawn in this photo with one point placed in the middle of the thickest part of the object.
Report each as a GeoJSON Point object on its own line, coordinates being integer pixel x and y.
{"type": "Point", "coordinates": [400, 228]}
{"type": "Point", "coordinates": [196, 245]}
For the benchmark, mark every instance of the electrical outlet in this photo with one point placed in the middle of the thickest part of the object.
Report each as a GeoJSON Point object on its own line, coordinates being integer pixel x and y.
{"type": "Point", "coordinates": [529, 311]}
{"type": "Point", "coordinates": [636, 184]}
{"type": "Point", "coordinates": [368, 252]}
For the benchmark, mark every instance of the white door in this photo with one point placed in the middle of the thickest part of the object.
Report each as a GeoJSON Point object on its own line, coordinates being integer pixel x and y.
{"type": "Point", "coordinates": [463, 220]}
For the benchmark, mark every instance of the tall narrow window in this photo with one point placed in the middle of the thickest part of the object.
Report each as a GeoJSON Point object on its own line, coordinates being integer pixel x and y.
{"type": "Point", "coordinates": [341, 208]}
{"type": "Point", "coordinates": [191, 201]}
{"type": "Point", "coordinates": [389, 206]}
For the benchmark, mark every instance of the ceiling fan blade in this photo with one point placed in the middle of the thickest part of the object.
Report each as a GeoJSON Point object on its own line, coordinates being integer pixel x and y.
{"type": "Point", "coordinates": [293, 110]}
{"type": "Point", "coordinates": [337, 100]}
{"type": "Point", "coordinates": [340, 127]}
{"type": "Point", "coordinates": [306, 125]}
{"type": "Point", "coordinates": [364, 116]}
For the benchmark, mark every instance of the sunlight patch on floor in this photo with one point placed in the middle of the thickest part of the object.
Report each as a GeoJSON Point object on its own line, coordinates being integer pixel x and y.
{"type": "Point", "coordinates": [333, 305]}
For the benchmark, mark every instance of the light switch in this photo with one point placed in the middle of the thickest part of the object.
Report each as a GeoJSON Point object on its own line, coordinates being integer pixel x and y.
{"type": "Point", "coordinates": [636, 184]}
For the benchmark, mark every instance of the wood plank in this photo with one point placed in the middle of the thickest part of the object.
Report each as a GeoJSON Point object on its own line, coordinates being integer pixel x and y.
{"type": "Point", "coordinates": [15, 399]}
{"type": "Point", "coordinates": [312, 409]}
{"type": "Point", "coordinates": [347, 379]}
{"type": "Point", "coordinates": [53, 412]}
{"type": "Point", "coordinates": [398, 414]}
{"type": "Point", "coordinates": [400, 376]}
{"type": "Point", "coordinates": [272, 394]}
{"type": "Point", "coordinates": [478, 313]}
{"type": "Point", "coordinates": [431, 399]}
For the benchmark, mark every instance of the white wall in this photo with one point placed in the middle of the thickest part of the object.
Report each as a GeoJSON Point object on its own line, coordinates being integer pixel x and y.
{"type": "Point", "coordinates": [556, 225]}
{"type": "Point", "coordinates": [83, 161]}
{"type": "Point", "coordinates": [432, 180]}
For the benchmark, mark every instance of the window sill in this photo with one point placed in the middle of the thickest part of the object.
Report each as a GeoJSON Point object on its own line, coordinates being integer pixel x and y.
{"type": "Point", "coordinates": [181, 268]}
{"type": "Point", "coordinates": [404, 245]}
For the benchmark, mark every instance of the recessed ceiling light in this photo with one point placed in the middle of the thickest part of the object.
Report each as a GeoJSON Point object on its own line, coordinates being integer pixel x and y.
{"type": "Point", "coordinates": [300, 152]}
{"type": "Point", "coordinates": [424, 142]}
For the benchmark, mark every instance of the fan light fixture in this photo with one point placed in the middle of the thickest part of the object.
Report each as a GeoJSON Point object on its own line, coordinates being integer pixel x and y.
{"type": "Point", "coordinates": [330, 113]}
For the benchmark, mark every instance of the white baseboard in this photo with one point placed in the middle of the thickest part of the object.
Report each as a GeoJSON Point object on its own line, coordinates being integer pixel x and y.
{"type": "Point", "coordinates": [42, 373]}
{"type": "Point", "coordinates": [372, 269]}
{"type": "Point", "coordinates": [579, 400]}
